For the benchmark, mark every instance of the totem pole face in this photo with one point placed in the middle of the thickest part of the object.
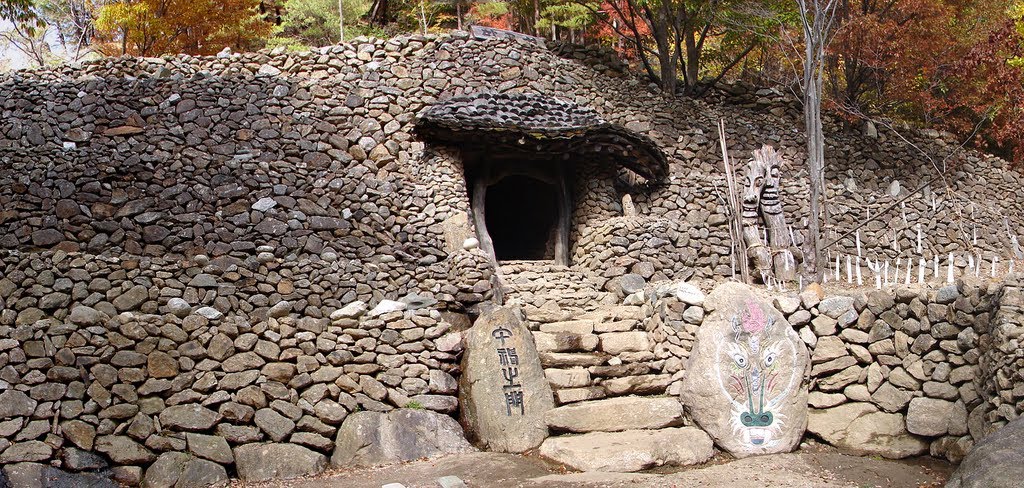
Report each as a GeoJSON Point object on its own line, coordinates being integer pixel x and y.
{"type": "Point", "coordinates": [770, 191]}
{"type": "Point", "coordinates": [755, 371]}
{"type": "Point", "coordinates": [753, 186]}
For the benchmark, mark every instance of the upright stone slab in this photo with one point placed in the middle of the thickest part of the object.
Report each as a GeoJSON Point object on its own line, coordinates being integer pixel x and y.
{"type": "Point", "coordinates": [503, 392]}
{"type": "Point", "coordinates": [745, 381]}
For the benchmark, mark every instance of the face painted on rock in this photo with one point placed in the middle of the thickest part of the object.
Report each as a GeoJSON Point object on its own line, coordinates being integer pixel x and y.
{"type": "Point", "coordinates": [770, 191]}
{"type": "Point", "coordinates": [753, 186]}
{"type": "Point", "coordinates": [755, 371]}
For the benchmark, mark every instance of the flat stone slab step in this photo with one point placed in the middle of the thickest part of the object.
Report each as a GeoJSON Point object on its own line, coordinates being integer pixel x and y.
{"type": "Point", "coordinates": [630, 451]}
{"type": "Point", "coordinates": [616, 414]}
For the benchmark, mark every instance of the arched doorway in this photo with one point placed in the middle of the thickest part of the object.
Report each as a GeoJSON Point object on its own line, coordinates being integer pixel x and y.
{"type": "Point", "coordinates": [522, 217]}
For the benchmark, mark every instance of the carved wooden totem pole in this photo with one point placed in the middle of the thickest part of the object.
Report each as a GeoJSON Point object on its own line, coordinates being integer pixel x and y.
{"type": "Point", "coordinates": [772, 251]}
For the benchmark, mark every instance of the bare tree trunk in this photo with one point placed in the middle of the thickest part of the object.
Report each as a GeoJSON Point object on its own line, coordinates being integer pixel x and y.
{"type": "Point", "coordinates": [341, 22]}
{"type": "Point", "coordinates": [423, 16]}
{"type": "Point", "coordinates": [692, 59]}
{"type": "Point", "coordinates": [816, 166]}
{"type": "Point", "coordinates": [536, 17]}
{"type": "Point", "coordinates": [817, 17]}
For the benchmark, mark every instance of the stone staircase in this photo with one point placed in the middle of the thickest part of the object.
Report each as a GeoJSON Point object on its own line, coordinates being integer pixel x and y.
{"type": "Point", "coordinates": [624, 434]}
{"type": "Point", "coordinates": [595, 354]}
{"type": "Point", "coordinates": [606, 371]}
{"type": "Point", "coordinates": [548, 285]}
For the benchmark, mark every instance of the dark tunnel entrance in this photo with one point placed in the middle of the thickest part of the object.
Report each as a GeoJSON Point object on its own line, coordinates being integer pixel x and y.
{"type": "Point", "coordinates": [522, 217]}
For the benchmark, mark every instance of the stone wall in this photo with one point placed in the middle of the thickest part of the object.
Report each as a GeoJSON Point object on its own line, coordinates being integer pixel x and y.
{"type": "Point", "coordinates": [151, 156]}
{"type": "Point", "coordinates": [198, 232]}
{"type": "Point", "coordinates": [897, 372]}
{"type": "Point", "coordinates": [134, 359]}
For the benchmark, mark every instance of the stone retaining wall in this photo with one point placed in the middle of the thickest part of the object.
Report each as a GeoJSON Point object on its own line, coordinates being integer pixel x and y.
{"type": "Point", "coordinates": [307, 151]}
{"type": "Point", "coordinates": [183, 231]}
{"type": "Point", "coordinates": [897, 372]}
{"type": "Point", "coordinates": [135, 358]}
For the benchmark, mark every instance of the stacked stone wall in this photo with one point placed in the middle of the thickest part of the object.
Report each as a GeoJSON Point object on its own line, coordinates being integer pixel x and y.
{"type": "Point", "coordinates": [896, 372]}
{"type": "Point", "coordinates": [213, 216]}
{"type": "Point", "coordinates": [134, 359]}
{"type": "Point", "coordinates": [151, 156]}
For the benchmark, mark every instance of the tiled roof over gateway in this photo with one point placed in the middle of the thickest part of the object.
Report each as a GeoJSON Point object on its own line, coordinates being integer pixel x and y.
{"type": "Point", "coordinates": [534, 123]}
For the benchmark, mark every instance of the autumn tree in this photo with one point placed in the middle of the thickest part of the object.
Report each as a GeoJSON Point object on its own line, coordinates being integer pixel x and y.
{"type": "Point", "coordinates": [983, 95]}
{"type": "Point", "coordinates": [29, 39]}
{"type": "Point", "coordinates": [317, 22]}
{"type": "Point", "coordinates": [676, 39]}
{"type": "Point", "coordinates": [153, 27]}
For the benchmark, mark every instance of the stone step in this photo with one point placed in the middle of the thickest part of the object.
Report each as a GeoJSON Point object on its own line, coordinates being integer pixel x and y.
{"type": "Point", "coordinates": [616, 414]}
{"type": "Point", "coordinates": [573, 326]}
{"type": "Point", "coordinates": [574, 395]}
{"type": "Point", "coordinates": [565, 342]}
{"type": "Point", "coordinates": [630, 451]}
{"type": "Point", "coordinates": [569, 359]}
{"type": "Point", "coordinates": [614, 313]}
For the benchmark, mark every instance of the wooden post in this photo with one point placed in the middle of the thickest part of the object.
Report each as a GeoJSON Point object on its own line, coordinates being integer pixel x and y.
{"type": "Point", "coordinates": [479, 211]}
{"type": "Point", "coordinates": [564, 219]}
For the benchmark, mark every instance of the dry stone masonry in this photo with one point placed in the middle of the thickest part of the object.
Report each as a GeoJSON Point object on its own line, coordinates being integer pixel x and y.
{"type": "Point", "coordinates": [261, 265]}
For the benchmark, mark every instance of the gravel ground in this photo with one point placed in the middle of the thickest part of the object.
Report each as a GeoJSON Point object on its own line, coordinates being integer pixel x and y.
{"type": "Point", "coordinates": [812, 466]}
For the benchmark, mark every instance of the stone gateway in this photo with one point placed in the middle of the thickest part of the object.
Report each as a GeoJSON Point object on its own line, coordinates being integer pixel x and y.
{"type": "Point", "coordinates": [745, 382]}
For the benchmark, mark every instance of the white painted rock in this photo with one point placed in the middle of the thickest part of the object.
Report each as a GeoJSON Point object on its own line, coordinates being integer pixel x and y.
{"type": "Point", "coordinates": [745, 377]}
{"type": "Point", "coordinates": [387, 306]}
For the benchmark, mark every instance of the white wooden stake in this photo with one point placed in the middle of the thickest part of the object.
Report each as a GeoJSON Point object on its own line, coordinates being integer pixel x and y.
{"type": "Point", "coordinates": [849, 270]}
{"type": "Point", "coordinates": [949, 269]}
{"type": "Point", "coordinates": [910, 269]}
{"type": "Point", "coordinates": [920, 270]}
{"type": "Point", "coordinates": [995, 262]}
{"type": "Point", "coordinates": [837, 268]}
{"type": "Point", "coordinates": [919, 238]}
{"type": "Point", "coordinates": [885, 272]}
{"type": "Point", "coordinates": [977, 267]}
{"type": "Point", "coordinates": [936, 266]}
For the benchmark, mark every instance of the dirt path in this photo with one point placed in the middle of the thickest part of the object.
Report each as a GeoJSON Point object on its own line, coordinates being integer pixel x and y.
{"type": "Point", "coordinates": [816, 467]}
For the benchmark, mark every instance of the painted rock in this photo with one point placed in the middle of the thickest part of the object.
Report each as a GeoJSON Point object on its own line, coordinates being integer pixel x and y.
{"type": "Point", "coordinates": [745, 382]}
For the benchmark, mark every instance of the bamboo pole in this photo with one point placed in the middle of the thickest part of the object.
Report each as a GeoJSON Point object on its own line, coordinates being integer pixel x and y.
{"type": "Point", "coordinates": [737, 218]}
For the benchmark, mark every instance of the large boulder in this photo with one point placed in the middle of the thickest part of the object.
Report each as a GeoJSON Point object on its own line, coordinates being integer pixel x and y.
{"type": "Point", "coordinates": [745, 383]}
{"type": "Point", "coordinates": [929, 416]}
{"type": "Point", "coordinates": [181, 470]}
{"type": "Point", "coordinates": [372, 438]}
{"type": "Point", "coordinates": [863, 429]}
{"type": "Point", "coordinates": [997, 461]}
{"type": "Point", "coordinates": [261, 462]}
{"type": "Point", "coordinates": [631, 450]}
{"type": "Point", "coordinates": [503, 392]}
{"type": "Point", "coordinates": [30, 475]}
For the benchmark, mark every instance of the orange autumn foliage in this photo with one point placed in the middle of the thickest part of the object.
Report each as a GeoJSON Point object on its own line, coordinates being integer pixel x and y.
{"type": "Point", "coordinates": [154, 27]}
